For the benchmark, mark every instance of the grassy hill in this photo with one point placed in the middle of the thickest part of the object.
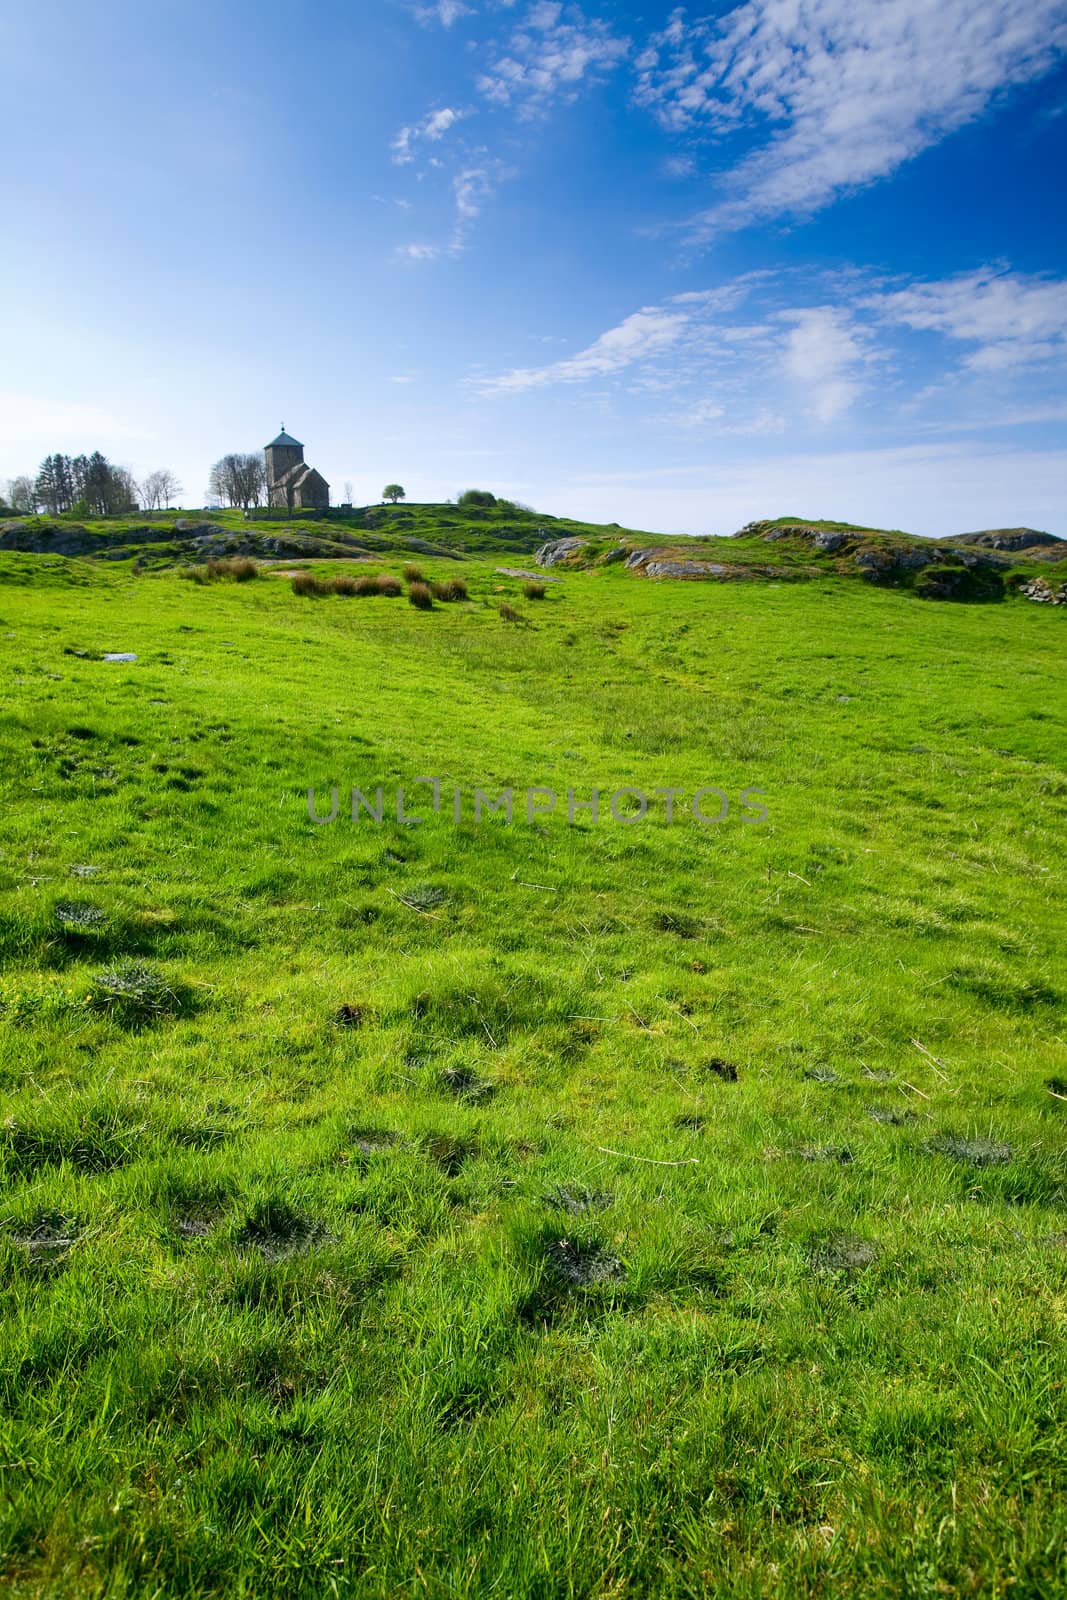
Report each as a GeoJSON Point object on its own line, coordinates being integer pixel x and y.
{"type": "Point", "coordinates": [984, 566]}
{"type": "Point", "coordinates": [615, 1206]}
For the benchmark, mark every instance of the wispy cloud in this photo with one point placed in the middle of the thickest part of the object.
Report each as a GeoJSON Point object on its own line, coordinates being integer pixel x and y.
{"type": "Point", "coordinates": [446, 12]}
{"type": "Point", "coordinates": [645, 333]}
{"type": "Point", "coordinates": [472, 187]}
{"type": "Point", "coordinates": [847, 92]}
{"type": "Point", "coordinates": [548, 58]}
{"type": "Point", "coordinates": [824, 355]}
{"type": "Point", "coordinates": [1010, 319]}
{"type": "Point", "coordinates": [432, 128]}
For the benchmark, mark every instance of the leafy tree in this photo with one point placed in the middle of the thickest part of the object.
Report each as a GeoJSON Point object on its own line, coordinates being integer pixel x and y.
{"type": "Point", "coordinates": [45, 489]}
{"type": "Point", "coordinates": [393, 492]}
{"type": "Point", "coordinates": [476, 497]}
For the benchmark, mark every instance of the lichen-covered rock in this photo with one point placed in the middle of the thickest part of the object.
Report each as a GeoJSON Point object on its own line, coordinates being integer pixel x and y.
{"type": "Point", "coordinates": [686, 569]}
{"type": "Point", "coordinates": [557, 550]}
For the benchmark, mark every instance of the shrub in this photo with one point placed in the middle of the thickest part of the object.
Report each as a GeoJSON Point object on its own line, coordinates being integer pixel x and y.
{"type": "Point", "coordinates": [534, 591]}
{"type": "Point", "coordinates": [420, 596]}
{"type": "Point", "coordinates": [476, 497]}
{"type": "Point", "coordinates": [238, 569]}
{"type": "Point", "coordinates": [413, 574]}
{"type": "Point", "coordinates": [450, 589]}
{"type": "Point", "coordinates": [307, 583]}
{"type": "Point", "coordinates": [386, 584]}
{"type": "Point", "coordinates": [509, 613]}
{"type": "Point", "coordinates": [345, 585]}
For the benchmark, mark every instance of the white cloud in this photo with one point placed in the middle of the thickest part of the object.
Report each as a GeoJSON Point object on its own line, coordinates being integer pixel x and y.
{"type": "Point", "coordinates": [636, 338]}
{"type": "Point", "coordinates": [847, 90]}
{"type": "Point", "coordinates": [433, 127]}
{"type": "Point", "coordinates": [1013, 320]}
{"type": "Point", "coordinates": [712, 367]}
{"type": "Point", "coordinates": [446, 12]}
{"type": "Point", "coordinates": [823, 354]}
{"type": "Point", "coordinates": [472, 186]}
{"type": "Point", "coordinates": [548, 58]}
{"type": "Point", "coordinates": [419, 252]}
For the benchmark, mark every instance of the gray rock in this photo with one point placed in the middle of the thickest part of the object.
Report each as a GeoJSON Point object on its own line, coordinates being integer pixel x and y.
{"type": "Point", "coordinates": [1044, 593]}
{"type": "Point", "coordinates": [828, 542]}
{"type": "Point", "coordinates": [557, 550]}
{"type": "Point", "coordinates": [188, 529]}
{"type": "Point", "coordinates": [685, 569]}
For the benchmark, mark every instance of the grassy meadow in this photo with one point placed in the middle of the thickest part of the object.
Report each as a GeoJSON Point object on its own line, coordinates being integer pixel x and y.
{"type": "Point", "coordinates": [584, 1208]}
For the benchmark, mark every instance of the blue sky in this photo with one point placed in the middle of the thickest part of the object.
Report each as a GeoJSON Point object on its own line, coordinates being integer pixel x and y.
{"type": "Point", "coordinates": [675, 268]}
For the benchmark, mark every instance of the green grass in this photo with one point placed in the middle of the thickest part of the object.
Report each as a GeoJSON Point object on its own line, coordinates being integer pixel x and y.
{"type": "Point", "coordinates": [535, 1210]}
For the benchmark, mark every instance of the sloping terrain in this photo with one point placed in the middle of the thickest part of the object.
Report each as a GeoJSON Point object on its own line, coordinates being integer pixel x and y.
{"type": "Point", "coordinates": [582, 1203]}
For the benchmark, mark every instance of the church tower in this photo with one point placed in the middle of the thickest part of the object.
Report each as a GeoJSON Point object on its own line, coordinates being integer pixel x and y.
{"type": "Point", "coordinates": [282, 453]}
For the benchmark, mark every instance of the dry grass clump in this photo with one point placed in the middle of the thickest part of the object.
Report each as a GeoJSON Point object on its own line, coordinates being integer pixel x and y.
{"type": "Point", "coordinates": [347, 586]}
{"type": "Point", "coordinates": [510, 614]}
{"type": "Point", "coordinates": [534, 591]}
{"type": "Point", "coordinates": [238, 569]}
{"type": "Point", "coordinates": [231, 569]}
{"type": "Point", "coordinates": [413, 574]}
{"type": "Point", "coordinates": [420, 596]}
{"type": "Point", "coordinates": [307, 583]}
{"type": "Point", "coordinates": [450, 589]}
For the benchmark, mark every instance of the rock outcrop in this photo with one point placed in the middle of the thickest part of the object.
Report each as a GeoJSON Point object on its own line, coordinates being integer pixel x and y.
{"type": "Point", "coordinates": [1045, 593]}
{"type": "Point", "coordinates": [558, 550]}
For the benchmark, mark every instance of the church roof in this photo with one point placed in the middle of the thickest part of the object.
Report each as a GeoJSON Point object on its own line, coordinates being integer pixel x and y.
{"type": "Point", "coordinates": [284, 438]}
{"type": "Point", "coordinates": [297, 475]}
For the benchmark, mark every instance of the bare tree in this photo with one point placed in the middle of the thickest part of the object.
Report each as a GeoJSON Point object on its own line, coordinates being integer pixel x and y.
{"type": "Point", "coordinates": [348, 491]}
{"type": "Point", "coordinates": [239, 479]}
{"type": "Point", "coordinates": [159, 489]}
{"type": "Point", "coordinates": [22, 495]}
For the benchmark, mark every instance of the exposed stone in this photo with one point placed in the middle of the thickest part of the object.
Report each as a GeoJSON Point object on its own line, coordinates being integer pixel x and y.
{"type": "Point", "coordinates": [685, 569]}
{"type": "Point", "coordinates": [1044, 593]}
{"type": "Point", "coordinates": [828, 542]}
{"type": "Point", "coordinates": [517, 572]}
{"type": "Point", "coordinates": [557, 550]}
{"type": "Point", "coordinates": [1011, 539]}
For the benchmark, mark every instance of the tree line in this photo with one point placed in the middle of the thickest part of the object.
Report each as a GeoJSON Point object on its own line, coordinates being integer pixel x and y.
{"type": "Point", "coordinates": [93, 486]}
{"type": "Point", "coordinates": [89, 486]}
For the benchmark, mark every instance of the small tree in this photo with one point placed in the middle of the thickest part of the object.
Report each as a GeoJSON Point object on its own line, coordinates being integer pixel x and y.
{"type": "Point", "coordinates": [393, 492]}
{"type": "Point", "coordinates": [238, 479]}
{"type": "Point", "coordinates": [477, 497]}
{"type": "Point", "coordinates": [348, 491]}
{"type": "Point", "coordinates": [22, 496]}
{"type": "Point", "coordinates": [159, 489]}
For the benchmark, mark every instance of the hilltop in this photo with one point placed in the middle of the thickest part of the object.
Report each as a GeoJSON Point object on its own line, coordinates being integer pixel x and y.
{"type": "Point", "coordinates": [985, 565]}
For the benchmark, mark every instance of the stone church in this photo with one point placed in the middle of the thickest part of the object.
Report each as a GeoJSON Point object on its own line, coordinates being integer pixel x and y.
{"type": "Point", "coordinates": [290, 481]}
